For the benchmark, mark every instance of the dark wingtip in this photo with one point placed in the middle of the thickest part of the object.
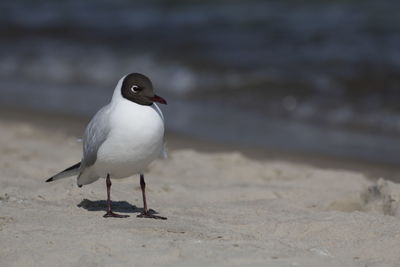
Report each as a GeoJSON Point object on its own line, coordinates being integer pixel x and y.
{"type": "Point", "coordinates": [49, 180]}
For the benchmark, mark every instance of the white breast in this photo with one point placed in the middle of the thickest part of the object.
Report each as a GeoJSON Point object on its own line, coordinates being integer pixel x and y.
{"type": "Point", "coordinates": [135, 140]}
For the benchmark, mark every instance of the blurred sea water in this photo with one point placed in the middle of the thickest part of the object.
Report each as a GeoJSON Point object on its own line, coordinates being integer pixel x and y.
{"type": "Point", "coordinates": [321, 76]}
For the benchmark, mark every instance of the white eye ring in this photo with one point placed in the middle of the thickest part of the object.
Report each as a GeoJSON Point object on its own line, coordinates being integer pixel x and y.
{"type": "Point", "coordinates": [135, 88]}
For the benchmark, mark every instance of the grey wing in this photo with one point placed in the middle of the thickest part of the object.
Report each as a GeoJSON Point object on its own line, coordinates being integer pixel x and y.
{"type": "Point", "coordinates": [95, 134]}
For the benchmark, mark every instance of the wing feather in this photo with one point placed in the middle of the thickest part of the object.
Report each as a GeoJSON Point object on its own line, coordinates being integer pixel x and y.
{"type": "Point", "coordinates": [95, 134]}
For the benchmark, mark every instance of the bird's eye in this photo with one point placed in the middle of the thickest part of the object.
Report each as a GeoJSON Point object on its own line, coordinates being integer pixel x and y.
{"type": "Point", "coordinates": [135, 88]}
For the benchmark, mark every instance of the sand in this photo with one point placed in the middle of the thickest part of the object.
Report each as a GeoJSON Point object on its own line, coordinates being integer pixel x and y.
{"type": "Point", "coordinates": [223, 209]}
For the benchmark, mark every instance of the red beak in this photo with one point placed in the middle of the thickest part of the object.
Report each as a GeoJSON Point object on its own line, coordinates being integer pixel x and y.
{"type": "Point", "coordinates": [158, 99]}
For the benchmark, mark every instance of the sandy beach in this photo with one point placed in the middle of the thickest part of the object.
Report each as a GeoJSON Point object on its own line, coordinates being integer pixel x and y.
{"type": "Point", "coordinates": [223, 209]}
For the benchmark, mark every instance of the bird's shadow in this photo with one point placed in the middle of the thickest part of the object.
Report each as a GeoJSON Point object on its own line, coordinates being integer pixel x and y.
{"type": "Point", "coordinates": [117, 206]}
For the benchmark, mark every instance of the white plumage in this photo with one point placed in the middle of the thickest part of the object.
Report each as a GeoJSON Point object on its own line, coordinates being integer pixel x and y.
{"type": "Point", "coordinates": [134, 139]}
{"type": "Point", "coordinates": [122, 139]}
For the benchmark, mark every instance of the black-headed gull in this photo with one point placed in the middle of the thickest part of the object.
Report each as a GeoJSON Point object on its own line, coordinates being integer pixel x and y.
{"type": "Point", "coordinates": [122, 139]}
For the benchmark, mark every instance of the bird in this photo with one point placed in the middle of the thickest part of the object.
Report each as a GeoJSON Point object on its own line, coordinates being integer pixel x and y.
{"type": "Point", "coordinates": [122, 139]}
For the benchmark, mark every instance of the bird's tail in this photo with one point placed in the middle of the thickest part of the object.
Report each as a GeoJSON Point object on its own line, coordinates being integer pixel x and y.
{"type": "Point", "coordinates": [73, 170]}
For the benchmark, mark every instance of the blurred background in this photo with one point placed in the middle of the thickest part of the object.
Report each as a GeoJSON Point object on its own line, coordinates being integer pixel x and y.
{"type": "Point", "coordinates": [320, 77]}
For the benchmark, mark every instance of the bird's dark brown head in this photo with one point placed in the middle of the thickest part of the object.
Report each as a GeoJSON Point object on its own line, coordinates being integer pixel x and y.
{"type": "Point", "coordinates": [138, 88]}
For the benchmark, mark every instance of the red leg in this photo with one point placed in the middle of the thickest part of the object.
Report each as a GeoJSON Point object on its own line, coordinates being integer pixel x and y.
{"type": "Point", "coordinates": [146, 213]}
{"type": "Point", "coordinates": [109, 211]}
